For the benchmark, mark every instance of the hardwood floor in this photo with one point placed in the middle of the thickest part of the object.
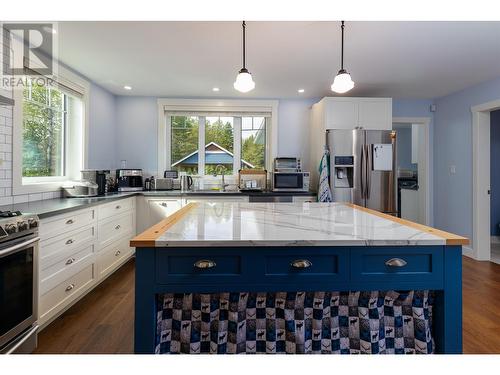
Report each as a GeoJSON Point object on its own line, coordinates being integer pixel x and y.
{"type": "Point", "coordinates": [102, 322]}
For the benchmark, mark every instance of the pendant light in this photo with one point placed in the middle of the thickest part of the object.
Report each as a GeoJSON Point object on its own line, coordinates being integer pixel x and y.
{"type": "Point", "coordinates": [244, 81]}
{"type": "Point", "coordinates": [342, 82]}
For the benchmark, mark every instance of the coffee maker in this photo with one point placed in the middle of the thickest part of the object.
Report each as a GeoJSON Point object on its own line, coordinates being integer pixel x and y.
{"type": "Point", "coordinates": [129, 179]}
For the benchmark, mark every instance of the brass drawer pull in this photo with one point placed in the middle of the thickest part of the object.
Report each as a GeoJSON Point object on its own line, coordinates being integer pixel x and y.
{"type": "Point", "coordinates": [117, 227]}
{"type": "Point", "coordinates": [69, 242]}
{"type": "Point", "coordinates": [301, 263]}
{"type": "Point", "coordinates": [396, 262]}
{"type": "Point", "coordinates": [204, 263]}
{"type": "Point", "coordinates": [70, 261]}
{"type": "Point", "coordinates": [70, 221]}
{"type": "Point", "coordinates": [70, 287]}
{"type": "Point", "coordinates": [118, 253]}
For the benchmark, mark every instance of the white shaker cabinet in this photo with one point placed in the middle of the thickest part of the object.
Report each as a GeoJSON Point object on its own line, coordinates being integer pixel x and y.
{"type": "Point", "coordinates": [351, 113]}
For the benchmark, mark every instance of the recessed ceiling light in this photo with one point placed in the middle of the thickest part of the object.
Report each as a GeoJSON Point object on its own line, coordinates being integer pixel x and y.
{"type": "Point", "coordinates": [300, 91]}
{"type": "Point", "coordinates": [127, 87]}
{"type": "Point", "coordinates": [215, 89]}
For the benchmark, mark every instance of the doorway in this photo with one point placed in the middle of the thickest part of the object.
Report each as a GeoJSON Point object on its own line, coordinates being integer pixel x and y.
{"type": "Point", "coordinates": [482, 222]}
{"type": "Point", "coordinates": [414, 202]}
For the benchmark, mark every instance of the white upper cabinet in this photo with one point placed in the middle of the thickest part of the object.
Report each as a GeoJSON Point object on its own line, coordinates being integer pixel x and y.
{"type": "Point", "coordinates": [375, 113]}
{"type": "Point", "coordinates": [349, 113]}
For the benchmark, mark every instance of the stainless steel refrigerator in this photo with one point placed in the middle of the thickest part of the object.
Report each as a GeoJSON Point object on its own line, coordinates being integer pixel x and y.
{"type": "Point", "coordinates": [363, 168]}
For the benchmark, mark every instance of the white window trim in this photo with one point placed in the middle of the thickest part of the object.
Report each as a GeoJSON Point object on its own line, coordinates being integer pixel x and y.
{"type": "Point", "coordinates": [224, 105]}
{"type": "Point", "coordinates": [45, 184]}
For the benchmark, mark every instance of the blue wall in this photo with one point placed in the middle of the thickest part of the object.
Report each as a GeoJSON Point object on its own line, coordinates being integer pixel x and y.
{"type": "Point", "coordinates": [453, 140]}
{"type": "Point", "coordinates": [404, 147]}
{"type": "Point", "coordinates": [102, 129]}
{"type": "Point", "coordinates": [495, 172]}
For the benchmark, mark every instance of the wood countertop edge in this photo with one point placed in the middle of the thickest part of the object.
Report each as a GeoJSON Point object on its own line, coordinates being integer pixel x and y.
{"type": "Point", "coordinates": [451, 239]}
{"type": "Point", "coordinates": [149, 236]}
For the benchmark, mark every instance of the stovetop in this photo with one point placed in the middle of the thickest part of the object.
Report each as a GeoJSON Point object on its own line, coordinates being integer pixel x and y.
{"type": "Point", "coordinates": [14, 224]}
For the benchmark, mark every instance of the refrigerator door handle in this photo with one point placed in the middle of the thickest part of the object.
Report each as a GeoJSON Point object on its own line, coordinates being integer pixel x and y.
{"type": "Point", "coordinates": [362, 172]}
{"type": "Point", "coordinates": [368, 170]}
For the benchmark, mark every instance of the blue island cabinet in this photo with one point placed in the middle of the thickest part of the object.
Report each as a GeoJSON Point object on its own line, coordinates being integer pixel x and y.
{"type": "Point", "coordinates": [161, 270]}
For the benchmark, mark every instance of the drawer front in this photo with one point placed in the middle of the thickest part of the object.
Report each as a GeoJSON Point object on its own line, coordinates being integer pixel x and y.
{"type": "Point", "coordinates": [322, 265]}
{"type": "Point", "coordinates": [406, 265]}
{"type": "Point", "coordinates": [60, 271]}
{"type": "Point", "coordinates": [65, 292]}
{"type": "Point", "coordinates": [180, 268]}
{"type": "Point", "coordinates": [54, 226]}
{"type": "Point", "coordinates": [115, 228]}
{"type": "Point", "coordinates": [115, 208]}
{"type": "Point", "coordinates": [112, 256]}
{"type": "Point", "coordinates": [64, 246]}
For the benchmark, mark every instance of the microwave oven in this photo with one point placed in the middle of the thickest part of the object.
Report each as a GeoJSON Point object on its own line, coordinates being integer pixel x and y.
{"type": "Point", "coordinates": [290, 181]}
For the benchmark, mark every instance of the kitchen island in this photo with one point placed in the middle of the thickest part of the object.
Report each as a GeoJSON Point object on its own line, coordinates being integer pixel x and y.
{"type": "Point", "coordinates": [296, 278]}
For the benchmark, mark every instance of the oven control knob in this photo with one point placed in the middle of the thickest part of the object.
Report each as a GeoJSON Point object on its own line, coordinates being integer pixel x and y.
{"type": "Point", "coordinates": [22, 225]}
{"type": "Point", "coordinates": [33, 223]}
{"type": "Point", "coordinates": [11, 228]}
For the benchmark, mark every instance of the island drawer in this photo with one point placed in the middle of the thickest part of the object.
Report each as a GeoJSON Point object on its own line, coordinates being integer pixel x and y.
{"type": "Point", "coordinates": [411, 265]}
{"type": "Point", "coordinates": [307, 265]}
{"type": "Point", "coordinates": [191, 267]}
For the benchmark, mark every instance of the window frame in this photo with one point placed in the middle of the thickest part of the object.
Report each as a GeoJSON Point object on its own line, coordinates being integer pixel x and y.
{"type": "Point", "coordinates": [251, 107]}
{"type": "Point", "coordinates": [75, 158]}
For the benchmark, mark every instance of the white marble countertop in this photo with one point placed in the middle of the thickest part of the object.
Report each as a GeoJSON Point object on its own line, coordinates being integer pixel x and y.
{"type": "Point", "coordinates": [288, 224]}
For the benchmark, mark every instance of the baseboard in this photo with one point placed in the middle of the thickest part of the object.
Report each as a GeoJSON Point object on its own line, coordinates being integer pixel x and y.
{"type": "Point", "coordinates": [468, 252]}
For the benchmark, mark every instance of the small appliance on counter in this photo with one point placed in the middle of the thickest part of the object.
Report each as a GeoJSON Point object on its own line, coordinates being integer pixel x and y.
{"type": "Point", "coordinates": [288, 175]}
{"type": "Point", "coordinates": [19, 282]}
{"type": "Point", "coordinates": [99, 177]}
{"type": "Point", "coordinates": [80, 189]}
{"type": "Point", "coordinates": [252, 179]}
{"type": "Point", "coordinates": [129, 179]}
{"type": "Point", "coordinates": [162, 184]}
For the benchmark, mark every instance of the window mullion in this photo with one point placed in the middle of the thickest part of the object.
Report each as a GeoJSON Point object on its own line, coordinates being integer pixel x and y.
{"type": "Point", "coordinates": [201, 145]}
{"type": "Point", "coordinates": [237, 145]}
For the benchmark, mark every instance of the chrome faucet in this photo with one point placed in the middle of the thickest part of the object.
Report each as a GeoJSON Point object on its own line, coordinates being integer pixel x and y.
{"type": "Point", "coordinates": [222, 170]}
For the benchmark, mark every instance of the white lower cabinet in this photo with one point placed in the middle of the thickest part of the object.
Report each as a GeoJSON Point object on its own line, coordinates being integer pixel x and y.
{"type": "Point", "coordinates": [80, 249]}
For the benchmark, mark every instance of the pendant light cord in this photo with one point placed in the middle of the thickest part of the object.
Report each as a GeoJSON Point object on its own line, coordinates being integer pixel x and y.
{"type": "Point", "coordinates": [244, 25]}
{"type": "Point", "coordinates": [342, 48]}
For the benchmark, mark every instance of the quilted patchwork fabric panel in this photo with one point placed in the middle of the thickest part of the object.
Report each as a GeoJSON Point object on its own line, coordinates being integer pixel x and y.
{"type": "Point", "coordinates": [300, 322]}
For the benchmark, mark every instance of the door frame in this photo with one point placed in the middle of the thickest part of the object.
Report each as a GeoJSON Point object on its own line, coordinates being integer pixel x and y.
{"type": "Point", "coordinates": [481, 200]}
{"type": "Point", "coordinates": [425, 122]}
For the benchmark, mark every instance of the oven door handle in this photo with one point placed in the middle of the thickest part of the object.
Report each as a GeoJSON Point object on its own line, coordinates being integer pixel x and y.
{"type": "Point", "coordinates": [18, 246]}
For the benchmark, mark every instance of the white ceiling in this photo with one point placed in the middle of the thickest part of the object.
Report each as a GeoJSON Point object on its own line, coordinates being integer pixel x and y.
{"type": "Point", "coordinates": [187, 59]}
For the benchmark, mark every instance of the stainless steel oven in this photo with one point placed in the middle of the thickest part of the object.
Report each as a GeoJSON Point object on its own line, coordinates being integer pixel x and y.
{"type": "Point", "coordinates": [18, 284]}
{"type": "Point", "coordinates": [290, 181]}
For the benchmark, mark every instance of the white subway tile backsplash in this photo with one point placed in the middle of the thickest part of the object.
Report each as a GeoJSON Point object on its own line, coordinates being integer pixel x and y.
{"type": "Point", "coordinates": [5, 201]}
{"type": "Point", "coordinates": [21, 198]}
{"type": "Point", "coordinates": [35, 197]}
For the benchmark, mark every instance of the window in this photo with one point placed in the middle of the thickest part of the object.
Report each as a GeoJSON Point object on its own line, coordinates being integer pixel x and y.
{"type": "Point", "coordinates": [223, 137]}
{"type": "Point", "coordinates": [49, 133]}
{"type": "Point", "coordinates": [184, 143]}
{"type": "Point", "coordinates": [44, 123]}
{"type": "Point", "coordinates": [253, 142]}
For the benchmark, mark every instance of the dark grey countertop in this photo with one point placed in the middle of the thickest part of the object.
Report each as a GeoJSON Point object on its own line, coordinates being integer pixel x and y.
{"type": "Point", "coordinates": [51, 207]}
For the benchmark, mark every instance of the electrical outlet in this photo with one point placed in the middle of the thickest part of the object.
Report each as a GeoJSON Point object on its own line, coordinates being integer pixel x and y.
{"type": "Point", "coordinates": [453, 169]}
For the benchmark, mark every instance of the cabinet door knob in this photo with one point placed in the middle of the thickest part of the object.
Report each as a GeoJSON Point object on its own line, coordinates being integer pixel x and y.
{"type": "Point", "coordinates": [204, 263]}
{"type": "Point", "coordinates": [70, 221]}
{"type": "Point", "coordinates": [301, 263]}
{"type": "Point", "coordinates": [70, 261]}
{"type": "Point", "coordinates": [118, 207]}
{"type": "Point", "coordinates": [70, 287]}
{"type": "Point", "coordinates": [69, 242]}
{"type": "Point", "coordinates": [117, 227]}
{"type": "Point", "coordinates": [396, 262]}
{"type": "Point", "coordinates": [118, 253]}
